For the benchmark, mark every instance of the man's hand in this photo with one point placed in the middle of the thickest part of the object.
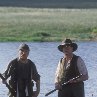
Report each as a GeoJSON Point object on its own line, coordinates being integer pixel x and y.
{"type": "Point", "coordinates": [35, 93]}
{"type": "Point", "coordinates": [58, 86]}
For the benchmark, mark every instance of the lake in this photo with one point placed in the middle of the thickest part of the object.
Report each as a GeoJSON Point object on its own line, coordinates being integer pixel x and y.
{"type": "Point", "coordinates": [46, 56]}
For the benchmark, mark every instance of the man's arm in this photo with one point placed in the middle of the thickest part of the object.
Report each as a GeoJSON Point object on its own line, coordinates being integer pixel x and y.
{"type": "Point", "coordinates": [82, 69]}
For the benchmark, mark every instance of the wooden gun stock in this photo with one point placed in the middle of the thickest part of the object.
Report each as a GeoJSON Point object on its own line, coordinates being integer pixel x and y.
{"type": "Point", "coordinates": [7, 85]}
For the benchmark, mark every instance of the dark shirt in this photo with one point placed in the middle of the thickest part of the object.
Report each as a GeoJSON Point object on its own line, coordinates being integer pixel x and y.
{"type": "Point", "coordinates": [22, 70]}
{"type": "Point", "coordinates": [22, 75]}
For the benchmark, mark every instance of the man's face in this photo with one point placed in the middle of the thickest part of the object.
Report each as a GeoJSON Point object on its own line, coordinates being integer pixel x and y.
{"type": "Point", "coordinates": [23, 54]}
{"type": "Point", "coordinates": [67, 49]}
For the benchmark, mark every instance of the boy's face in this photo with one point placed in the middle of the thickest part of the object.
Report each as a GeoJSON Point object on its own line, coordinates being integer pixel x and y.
{"type": "Point", "coordinates": [23, 54]}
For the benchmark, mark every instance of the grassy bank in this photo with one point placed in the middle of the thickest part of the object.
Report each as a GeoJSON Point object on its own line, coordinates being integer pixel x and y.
{"type": "Point", "coordinates": [28, 24]}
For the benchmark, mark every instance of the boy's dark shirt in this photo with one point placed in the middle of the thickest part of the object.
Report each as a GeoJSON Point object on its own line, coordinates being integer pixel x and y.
{"type": "Point", "coordinates": [22, 69]}
{"type": "Point", "coordinates": [20, 72]}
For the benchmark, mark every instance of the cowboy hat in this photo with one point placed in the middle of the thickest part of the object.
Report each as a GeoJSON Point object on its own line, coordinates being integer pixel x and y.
{"type": "Point", "coordinates": [67, 42]}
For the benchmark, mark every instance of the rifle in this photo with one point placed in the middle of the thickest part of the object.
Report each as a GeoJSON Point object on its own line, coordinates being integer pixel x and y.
{"type": "Point", "coordinates": [63, 84]}
{"type": "Point", "coordinates": [7, 85]}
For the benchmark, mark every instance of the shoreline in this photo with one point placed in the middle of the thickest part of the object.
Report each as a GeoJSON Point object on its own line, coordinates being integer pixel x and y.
{"type": "Point", "coordinates": [47, 25]}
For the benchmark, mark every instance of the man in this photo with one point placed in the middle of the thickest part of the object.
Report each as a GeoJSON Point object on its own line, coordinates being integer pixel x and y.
{"type": "Point", "coordinates": [69, 67]}
{"type": "Point", "coordinates": [22, 72]}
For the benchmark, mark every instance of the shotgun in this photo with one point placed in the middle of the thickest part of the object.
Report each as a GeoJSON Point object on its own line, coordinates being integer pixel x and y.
{"type": "Point", "coordinates": [63, 84]}
{"type": "Point", "coordinates": [7, 85]}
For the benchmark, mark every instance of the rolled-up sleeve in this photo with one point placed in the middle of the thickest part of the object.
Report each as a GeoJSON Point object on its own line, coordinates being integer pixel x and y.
{"type": "Point", "coordinates": [81, 66]}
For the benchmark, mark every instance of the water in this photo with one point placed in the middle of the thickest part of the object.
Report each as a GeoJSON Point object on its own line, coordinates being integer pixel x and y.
{"type": "Point", "coordinates": [46, 56]}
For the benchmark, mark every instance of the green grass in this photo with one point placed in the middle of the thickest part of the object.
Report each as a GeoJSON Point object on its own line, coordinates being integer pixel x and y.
{"type": "Point", "coordinates": [29, 24]}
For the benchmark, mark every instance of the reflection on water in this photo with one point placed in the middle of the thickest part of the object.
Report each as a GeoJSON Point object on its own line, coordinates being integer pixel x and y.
{"type": "Point", "coordinates": [46, 56]}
